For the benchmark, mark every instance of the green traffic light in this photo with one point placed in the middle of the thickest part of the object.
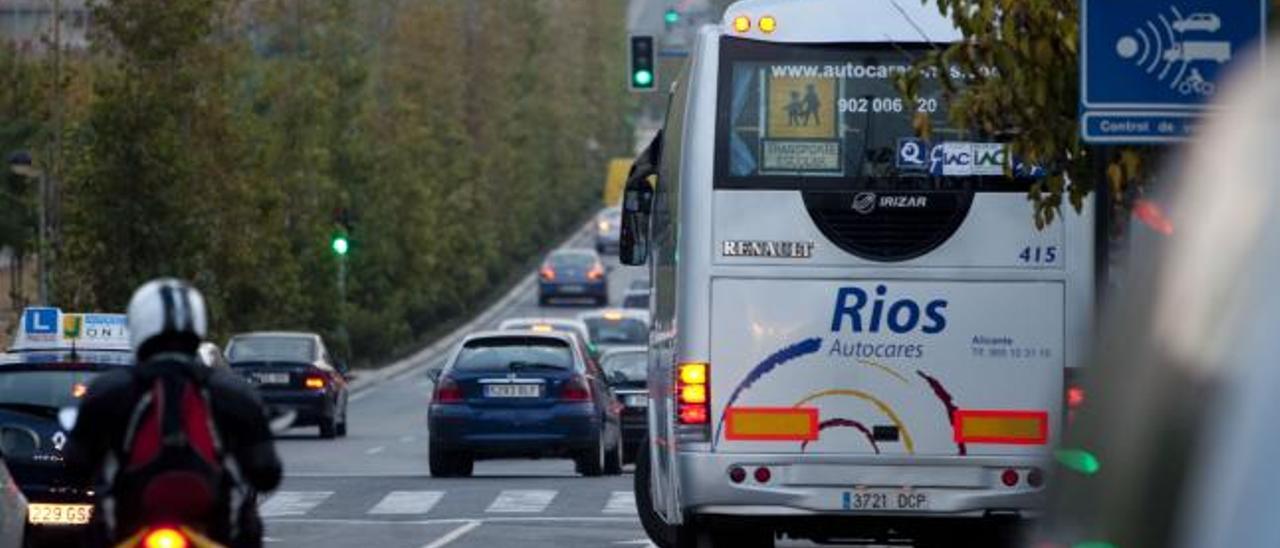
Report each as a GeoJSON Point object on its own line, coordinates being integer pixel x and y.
{"type": "Point", "coordinates": [340, 245]}
{"type": "Point", "coordinates": [671, 17]}
{"type": "Point", "coordinates": [642, 77]}
{"type": "Point", "coordinates": [1078, 460]}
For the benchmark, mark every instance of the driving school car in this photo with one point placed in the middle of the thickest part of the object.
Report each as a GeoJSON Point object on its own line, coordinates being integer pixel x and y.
{"type": "Point", "coordinates": [44, 376]}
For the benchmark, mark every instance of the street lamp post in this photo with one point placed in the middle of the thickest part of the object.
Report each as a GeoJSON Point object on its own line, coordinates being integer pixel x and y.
{"type": "Point", "coordinates": [21, 164]}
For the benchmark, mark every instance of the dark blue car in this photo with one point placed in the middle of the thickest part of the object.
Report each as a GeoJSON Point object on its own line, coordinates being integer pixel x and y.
{"type": "Point", "coordinates": [509, 394]}
{"type": "Point", "coordinates": [573, 274]}
{"type": "Point", "coordinates": [35, 389]}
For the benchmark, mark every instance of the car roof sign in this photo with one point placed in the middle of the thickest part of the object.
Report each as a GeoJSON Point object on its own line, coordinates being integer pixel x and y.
{"type": "Point", "coordinates": [47, 328]}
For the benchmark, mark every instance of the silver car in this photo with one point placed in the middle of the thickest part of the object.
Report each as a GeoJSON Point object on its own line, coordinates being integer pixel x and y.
{"type": "Point", "coordinates": [13, 507]}
{"type": "Point", "coordinates": [1175, 444]}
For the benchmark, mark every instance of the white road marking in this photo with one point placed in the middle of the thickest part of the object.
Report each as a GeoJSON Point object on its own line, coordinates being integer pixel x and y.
{"type": "Point", "coordinates": [528, 501]}
{"type": "Point", "coordinates": [621, 502]}
{"type": "Point", "coordinates": [293, 503]}
{"type": "Point", "coordinates": [407, 502]}
{"type": "Point", "coordinates": [374, 450]}
{"type": "Point", "coordinates": [453, 535]}
{"type": "Point", "coordinates": [408, 439]}
{"type": "Point", "coordinates": [637, 542]}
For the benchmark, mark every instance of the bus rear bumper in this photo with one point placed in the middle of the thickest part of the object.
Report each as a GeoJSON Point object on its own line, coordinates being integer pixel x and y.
{"type": "Point", "coordinates": [844, 485]}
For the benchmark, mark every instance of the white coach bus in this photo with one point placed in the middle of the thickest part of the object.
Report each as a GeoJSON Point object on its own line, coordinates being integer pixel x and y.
{"type": "Point", "coordinates": [857, 334]}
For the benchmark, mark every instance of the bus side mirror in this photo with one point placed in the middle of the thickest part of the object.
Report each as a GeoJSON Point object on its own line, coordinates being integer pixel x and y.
{"type": "Point", "coordinates": [637, 204]}
{"type": "Point", "coordinates": [633, 237]}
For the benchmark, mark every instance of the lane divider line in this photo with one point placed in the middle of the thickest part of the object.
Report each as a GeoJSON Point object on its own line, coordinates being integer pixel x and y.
{"type": "Point", "coordinates": [453, 535]}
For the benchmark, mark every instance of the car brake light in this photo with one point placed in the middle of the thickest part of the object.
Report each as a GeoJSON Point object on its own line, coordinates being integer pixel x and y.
{"type": "Point", "coordinates": [164, 537]}
{"type": "Point", "coordinates": [596, 272]}
{"type": "Point", "coordinates": [447, 391]}
{"type": "Point", "coordinates": [575, 389]}
{"type": "Point", "coordinates": [1075, 397]}
{"type": "Point", "coordinates": [314, 383]}
{"type": "Point", "coordinates": [547, 273]}
{"type": "Point", "coordinates": [693, 391]}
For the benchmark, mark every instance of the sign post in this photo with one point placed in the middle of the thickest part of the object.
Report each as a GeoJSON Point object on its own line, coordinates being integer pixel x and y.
{"type": "Point", "coordinates": [1150, 68]}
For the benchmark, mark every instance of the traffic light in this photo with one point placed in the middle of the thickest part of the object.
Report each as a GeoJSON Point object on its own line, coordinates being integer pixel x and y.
{"type": "Point", "coordinates": [339, 243]}
{"type": "Point", "coordinates": [671, 17]}
{"type": "Point", "coordinates": [644, 66]}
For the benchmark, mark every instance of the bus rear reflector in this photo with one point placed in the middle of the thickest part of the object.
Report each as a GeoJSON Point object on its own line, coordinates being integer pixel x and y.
{"type": "Point", "coordinates": [771, 424]}
{"type": "Point", "coordinates": [1002, 427]}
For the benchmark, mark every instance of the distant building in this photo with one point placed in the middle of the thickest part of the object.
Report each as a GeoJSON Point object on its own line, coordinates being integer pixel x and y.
{"type": "Point", "coordinates": [28, 24]}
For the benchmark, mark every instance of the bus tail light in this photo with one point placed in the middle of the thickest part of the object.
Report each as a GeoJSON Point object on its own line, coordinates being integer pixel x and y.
{"type": "Point", "coordinates": [1073, 394]}
{"type": "Point", "coordinates": [693, 391]}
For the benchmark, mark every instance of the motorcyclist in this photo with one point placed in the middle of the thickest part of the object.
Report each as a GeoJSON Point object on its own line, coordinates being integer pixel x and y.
{"type": "Point", "coordinates": [167, 323]}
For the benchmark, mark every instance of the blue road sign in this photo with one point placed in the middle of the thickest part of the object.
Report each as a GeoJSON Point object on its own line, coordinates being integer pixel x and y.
{"type": "Point", "coordinates": [1149, 67]}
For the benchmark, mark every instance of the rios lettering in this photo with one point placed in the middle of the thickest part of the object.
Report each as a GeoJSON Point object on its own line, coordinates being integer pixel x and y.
{"type": "Point", "coordinates": [901, 316]}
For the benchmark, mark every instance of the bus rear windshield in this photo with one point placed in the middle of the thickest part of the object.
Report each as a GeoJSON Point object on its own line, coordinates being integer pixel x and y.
{"type": "Point", "coordinates": [827, 117]}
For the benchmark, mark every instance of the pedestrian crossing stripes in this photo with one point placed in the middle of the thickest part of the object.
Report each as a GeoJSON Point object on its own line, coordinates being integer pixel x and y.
{"type": "Point", "coordinates": [522, 500]}
{"type": "Point", "coordinates": [440, 503]}
{"type": "Point", "coordinates": [407, 502]}
{"type": "Point", "coordinates": [621, 502]}
{"type": "Point", "coordinates": [292, 503]}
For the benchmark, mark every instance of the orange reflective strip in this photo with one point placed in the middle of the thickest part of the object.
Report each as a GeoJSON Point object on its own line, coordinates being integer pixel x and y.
{"type": "Point", "coordinates": [1002, 427]}
{"type": "Point", "coordinates": [771, 424]}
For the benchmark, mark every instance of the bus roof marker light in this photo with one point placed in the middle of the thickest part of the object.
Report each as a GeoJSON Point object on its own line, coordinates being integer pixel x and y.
{"type": "Point", "coordinates": [768, 24]}
{"type": "Point", "coordinates": [741, 23]}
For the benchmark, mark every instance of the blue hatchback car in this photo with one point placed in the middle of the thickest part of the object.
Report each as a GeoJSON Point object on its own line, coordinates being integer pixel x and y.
{"type": "Point", "coordinates": [513, 394]}
{"type": "Point", "coordinates": [573, 274]}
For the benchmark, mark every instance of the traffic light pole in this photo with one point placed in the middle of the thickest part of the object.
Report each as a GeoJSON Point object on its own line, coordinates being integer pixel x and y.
{"type": "Point", "coordinates": [342, 309]}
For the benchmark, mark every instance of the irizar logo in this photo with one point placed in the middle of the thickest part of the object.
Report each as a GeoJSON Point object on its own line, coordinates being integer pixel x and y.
{"type": "Point", "coordinates": [868, 315]}
{"type": "Point", "coordinates": [866, 202]}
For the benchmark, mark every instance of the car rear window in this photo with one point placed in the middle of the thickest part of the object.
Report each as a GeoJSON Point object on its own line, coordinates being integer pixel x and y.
{"type": "Point", "coordinates": [636, 300]}
{"type": "Point", "coordinates": [623, 331]}
{"type": "Point", "coordinates": [576, 260]}
{"type": "Point", "coordinates": [632, 365]}
{"type": "Point", "coordinates": [507, 353]}
{"type": "Point", "coordinates": [267, 348]}
{"type": "Point", "coordinates": [47, 390]}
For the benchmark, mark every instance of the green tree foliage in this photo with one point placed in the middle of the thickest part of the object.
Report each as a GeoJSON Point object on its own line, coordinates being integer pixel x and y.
{"type": "Point", "coordinates": [1032, 97]}
{"type": "Point", "coordinates": [220, 136]}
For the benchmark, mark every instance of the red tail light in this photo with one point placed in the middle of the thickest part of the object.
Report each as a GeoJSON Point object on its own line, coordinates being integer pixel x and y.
{"type": "Point", "coordinates": [575, 389]}
{"type": "Point", "coordinates": [447, 391]}
{"type": "Point", "coordinates": [693, 414]}
{"type": "Point", "coordinates": [596, 272]}
{"type": "Point", "coordinates": [164, 537]}
{"type": "Point", "coordinates": [547, 273]}
{"type": "Point", "coordinates": [314, 382]}
{"type": "Point", "coordinates": [1075, 397]}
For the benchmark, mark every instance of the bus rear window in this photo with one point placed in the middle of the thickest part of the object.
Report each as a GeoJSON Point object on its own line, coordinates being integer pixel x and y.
{"type": "Point", "coordinates": [822, 116]}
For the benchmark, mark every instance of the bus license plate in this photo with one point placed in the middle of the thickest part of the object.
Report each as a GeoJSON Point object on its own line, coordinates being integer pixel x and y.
{"type": "Point", "coordinates": [59, 514]}
{"type": "Point", "coordinates": [511, 391]}
{"type": "Point", "coordinates": [885, 499]}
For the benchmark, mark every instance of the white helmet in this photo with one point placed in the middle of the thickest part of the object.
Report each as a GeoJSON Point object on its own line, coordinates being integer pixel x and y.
{"type": "Point", "coordinates": [163, 309]}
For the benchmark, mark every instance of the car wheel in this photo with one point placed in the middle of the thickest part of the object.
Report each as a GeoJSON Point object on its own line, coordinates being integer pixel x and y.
{"type": "Point", "coordinates": [342, 426]}
{"type": "Point", "coordinates": [329, 428]}
{"type": "Point", "coordinates": [602, 300]}
{"type": "Point", "coordinates": [591, 461]}
{"type": "Point", "coordinates": [463, 466]}
{"type": "Point", "coordinates": [441, 463]}
{"type": "Point", "coordinates": [543, 300]}
{"type": "Point", "coordinates": [659, 532]}
{"type": "Point", "coordinates": [613, 460]}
